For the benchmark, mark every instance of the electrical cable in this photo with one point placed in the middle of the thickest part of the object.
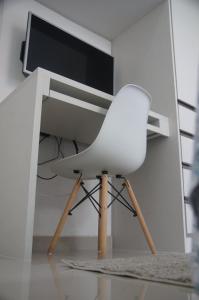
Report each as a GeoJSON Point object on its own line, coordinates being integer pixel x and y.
{"type": "Point", "coordinates": [43, 138]}
{"type": "Point", "coordinates": [59, 153]}
{"type": "Point", "coordinates": [76, 146]}
{"type": "Point", "coordinates": [52, 159]}
{"type": "Point", "coordinates": [47, 178]}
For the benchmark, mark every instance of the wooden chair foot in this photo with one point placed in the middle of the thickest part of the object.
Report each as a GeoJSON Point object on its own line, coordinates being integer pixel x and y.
{"type": "Point", "coordinates": [102, 225]}
{"type": "Point", "coordinates": [64, 216]}
{"type": "Point", "coordinates": [140, 217]}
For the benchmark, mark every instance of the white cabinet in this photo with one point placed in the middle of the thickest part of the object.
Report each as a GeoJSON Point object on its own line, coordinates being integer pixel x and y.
{"type": "Point", "coordinates": [185, 32]}
{"type": "Point", "coordinates": [169, 72]}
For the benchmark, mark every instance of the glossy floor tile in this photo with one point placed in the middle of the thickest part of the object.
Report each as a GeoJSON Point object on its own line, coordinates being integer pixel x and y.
{"type": "Point", "coordinates": [46, 278]}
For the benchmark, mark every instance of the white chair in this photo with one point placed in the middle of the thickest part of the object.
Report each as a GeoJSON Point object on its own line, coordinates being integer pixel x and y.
{"type": "Point", "coordinates": [118, 150]}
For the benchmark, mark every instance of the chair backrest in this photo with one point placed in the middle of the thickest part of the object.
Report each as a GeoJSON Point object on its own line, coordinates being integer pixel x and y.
{"type": "Point", "coordinates": [123, 135]}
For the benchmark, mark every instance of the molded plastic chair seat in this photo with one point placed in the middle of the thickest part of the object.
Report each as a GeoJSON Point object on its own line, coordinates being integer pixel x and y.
{"type": "Point", "coordinates": [120, 146]}
{"type": "Point", "coordinates": [90, 164]}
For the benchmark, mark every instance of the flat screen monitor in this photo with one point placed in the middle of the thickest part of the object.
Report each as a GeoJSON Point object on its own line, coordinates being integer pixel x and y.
{"type": "Point", "coordinates": [53, 49]}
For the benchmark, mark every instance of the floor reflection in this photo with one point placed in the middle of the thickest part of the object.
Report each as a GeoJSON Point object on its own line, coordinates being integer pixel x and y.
{"type": "Point", "coordinates": [56, 279]}
{"type": "Point", "coordinates": [48, 278]}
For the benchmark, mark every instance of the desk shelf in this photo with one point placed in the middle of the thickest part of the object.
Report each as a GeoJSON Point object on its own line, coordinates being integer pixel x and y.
{"type": "Point", "coordinates": [72, 118]}
{"type": "Point", "coordinates": [78, 90]}
{"type": "Point", "coordinates": [60, 88]}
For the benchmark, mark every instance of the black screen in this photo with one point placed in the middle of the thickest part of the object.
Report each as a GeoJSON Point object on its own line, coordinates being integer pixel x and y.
{"type": "Point", "coordinates": [55, 50]}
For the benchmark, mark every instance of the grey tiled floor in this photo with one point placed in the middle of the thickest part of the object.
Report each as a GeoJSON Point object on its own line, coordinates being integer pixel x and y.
{"type": "Point", "coordinates": [45, 278]}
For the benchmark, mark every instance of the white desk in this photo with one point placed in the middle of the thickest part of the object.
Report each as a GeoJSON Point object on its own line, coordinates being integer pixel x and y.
{"type": "Point", "coordinates": [79, 104]}
{"type": "Point", "coordinates": [53, 104]}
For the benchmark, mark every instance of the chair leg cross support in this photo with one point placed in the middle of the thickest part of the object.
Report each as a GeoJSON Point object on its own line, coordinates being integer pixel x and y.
{"type": "Point", "coordinates": [102, 208]}
{"type": "Point", "coordinates": [96, 205]}
{"type": "Point", "coordinates": [87, 196]}
{"type": "Point", "coordinates": [124, 202]}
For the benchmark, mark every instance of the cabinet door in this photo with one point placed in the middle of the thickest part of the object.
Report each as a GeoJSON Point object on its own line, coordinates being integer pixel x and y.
{"type": "Point", "coordinates": [187, 119]}
{"type": "Point", "coordinates": [189, 218]}
{"type": "Point", "coordinates": [187, 145]}
{"type": "Point", "coordinates": [185, 21]}
{"type": "Point", "coordinates": [186, 181]}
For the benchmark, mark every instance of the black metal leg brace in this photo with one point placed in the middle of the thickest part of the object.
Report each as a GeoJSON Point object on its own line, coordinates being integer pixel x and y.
{"type": "Point", "coordinates": [91, 198]}
{"type": "Point", "coordinates": [124, 202]}
{"type": "Point", "coordinates": [89, 195]}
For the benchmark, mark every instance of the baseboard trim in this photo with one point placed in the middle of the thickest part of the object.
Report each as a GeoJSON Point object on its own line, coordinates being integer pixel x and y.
{"type": "Point", "coordinates": [68, 244]}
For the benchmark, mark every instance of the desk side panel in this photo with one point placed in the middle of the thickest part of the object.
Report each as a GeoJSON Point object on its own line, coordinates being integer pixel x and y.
{"type": "Point", "coordinates": [18, 168]}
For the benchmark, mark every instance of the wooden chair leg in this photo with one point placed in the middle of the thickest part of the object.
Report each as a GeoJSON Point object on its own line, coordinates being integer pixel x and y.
{"type": "Point", "coordinates": [64, 216]}
{"type": "Point", "coordinates": [102, 226]}
{"type": "Point", "coordinates": [140, 217]}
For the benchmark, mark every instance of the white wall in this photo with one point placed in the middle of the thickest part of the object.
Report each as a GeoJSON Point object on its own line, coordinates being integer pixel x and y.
{"type": "Point", "coordinates": [1, 14]}
{"type": "Point", "coordinates": [143, 55]}
{"type": "Point", "coordinates": [13, 33]}
{"type": "Point", "coordinates": [186, 46]}
{"type": "Point", "coordinates": [1, 21]}
{"type": "Point", "coordinates": [51, 195]}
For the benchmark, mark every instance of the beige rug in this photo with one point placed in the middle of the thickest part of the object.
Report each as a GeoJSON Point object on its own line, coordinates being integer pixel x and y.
{"type": "Point", "coordinates": [166, 268]}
